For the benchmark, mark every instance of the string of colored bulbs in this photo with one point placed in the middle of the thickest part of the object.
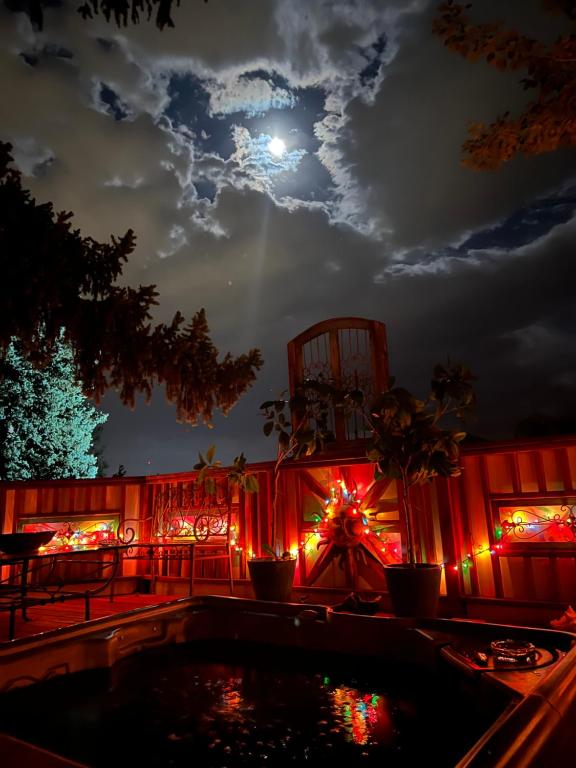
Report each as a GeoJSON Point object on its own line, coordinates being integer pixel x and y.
{"type": "Point", "coordinates": [341, 496]}
{"type": "Point", "coordinates": [468, 561]}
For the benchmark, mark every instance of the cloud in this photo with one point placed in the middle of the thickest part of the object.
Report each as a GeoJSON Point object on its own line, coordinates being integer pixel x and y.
{"type": "Point", "coordinates": [254, 96]}
{"type": "Point", "coordinates": [253, 155]}
{"type": "Point", "coordinates": [32, 158]}
{"type": "Point", "coordinates": [405, 147]}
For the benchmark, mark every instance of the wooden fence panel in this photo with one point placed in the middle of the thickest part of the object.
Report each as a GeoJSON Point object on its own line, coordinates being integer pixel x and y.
{"type": "Point", "coordinates": [458, 518]}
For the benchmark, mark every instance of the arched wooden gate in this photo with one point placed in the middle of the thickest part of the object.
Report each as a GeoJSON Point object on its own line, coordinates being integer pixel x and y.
{"type": "Point", "coordinates": [351, 353]}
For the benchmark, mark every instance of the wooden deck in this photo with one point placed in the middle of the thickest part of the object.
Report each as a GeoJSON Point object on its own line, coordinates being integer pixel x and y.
{"type": "Point", "coordinates": [47, 618]}
{"type": "Point", "coordinates": [59, 615]}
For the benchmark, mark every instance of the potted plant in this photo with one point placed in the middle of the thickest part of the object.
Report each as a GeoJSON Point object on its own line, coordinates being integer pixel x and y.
{"type": "Point", "coordinates": [300, 425]}
{"type": "Point", "coordinates": [410, 444]}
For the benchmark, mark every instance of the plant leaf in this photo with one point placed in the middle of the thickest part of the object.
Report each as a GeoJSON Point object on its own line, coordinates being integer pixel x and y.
{"type": "Point", "coordinates": [252, 485]}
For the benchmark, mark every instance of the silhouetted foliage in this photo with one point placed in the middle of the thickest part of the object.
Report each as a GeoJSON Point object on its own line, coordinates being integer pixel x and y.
{"type": "Point", "coordinates": [122, 12]}
{"type": "Point", "coordinates": [55, 281]}
{"type": "Point", "coordinates": [130, 11]}
{"type": "Point", "coordinates": [549, 121]}
{"type": "Point", "coordinates": [409, 441]}
{"type": "Point", "coordinates": [301, 427]}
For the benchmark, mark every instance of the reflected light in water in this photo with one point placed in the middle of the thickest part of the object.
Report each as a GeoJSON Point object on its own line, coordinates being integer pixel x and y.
{"type": "Point", "coordinates": [365, 716]}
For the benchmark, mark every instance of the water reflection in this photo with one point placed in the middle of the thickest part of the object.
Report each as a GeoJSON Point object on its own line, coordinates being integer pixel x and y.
{"type": "Point", "coordinates": [364, 718]}
{"type": "Point", "coordinates": [248, 713]}
{"type": "Point", "coordinates": [231, 699]}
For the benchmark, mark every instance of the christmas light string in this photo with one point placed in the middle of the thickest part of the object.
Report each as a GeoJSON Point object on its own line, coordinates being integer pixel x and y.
{"type": "Point", "coordinates": [524, 525]}
{"type": "Point", "coordinates": [343, 521]}
{"type": "Point", "coordinates": [469, 561]}
{"type": "Point", "coordinates": [67, 539]}
{"type": "Point", "coordinates": [528, 524]}
{"type": "Point", "coordinates": [345, 503]}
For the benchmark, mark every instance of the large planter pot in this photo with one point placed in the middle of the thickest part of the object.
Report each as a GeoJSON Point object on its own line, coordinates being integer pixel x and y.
{"type": "Point", "coordinates": [272, 579]}
{"type": "Point", "coordinates": [414, 589]}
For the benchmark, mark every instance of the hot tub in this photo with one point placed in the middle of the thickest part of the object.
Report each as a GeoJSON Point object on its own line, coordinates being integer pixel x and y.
{"type": "Point", "coordinates": [231, 682]}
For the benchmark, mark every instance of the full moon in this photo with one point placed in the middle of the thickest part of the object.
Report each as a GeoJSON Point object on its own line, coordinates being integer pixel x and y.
{"type": "Point", "coordinates": [276, 147]}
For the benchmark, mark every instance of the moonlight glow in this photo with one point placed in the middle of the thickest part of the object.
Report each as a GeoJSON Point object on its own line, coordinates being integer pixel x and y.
{"type": "Point", "coordinates": [288, 164]}
{"type": "Point", "coordinates": [277, 147]}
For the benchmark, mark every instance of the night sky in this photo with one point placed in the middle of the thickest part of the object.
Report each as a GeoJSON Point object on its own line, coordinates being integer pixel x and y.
{"type": "Point", "coordinates": [362, 208]}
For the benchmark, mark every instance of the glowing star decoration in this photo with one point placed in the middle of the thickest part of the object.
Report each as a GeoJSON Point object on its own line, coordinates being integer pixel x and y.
{"type": "Point", "coordinates": [344, 524]}
{"type": "Point", "coordinates": [276, 147]}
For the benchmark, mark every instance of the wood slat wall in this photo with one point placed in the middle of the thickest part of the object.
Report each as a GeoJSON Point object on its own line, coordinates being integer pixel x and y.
{"type": "Point", "coordinates": [456, 517]}
{"type": "Point", "coordinates": [515, 474]}
{"type": "Point", "coordinates": [24, 501]}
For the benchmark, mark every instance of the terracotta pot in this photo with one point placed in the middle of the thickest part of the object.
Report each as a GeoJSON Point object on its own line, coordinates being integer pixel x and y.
{"type": "Point", "coordinates": [414, 589]}
{"type": "Point", "coordinates": [272, 579]}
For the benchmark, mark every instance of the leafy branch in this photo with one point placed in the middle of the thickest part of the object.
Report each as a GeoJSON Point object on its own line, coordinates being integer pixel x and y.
{"type": "Point", "coordinates": [61, 286]}
{"type": "Point", "coordinates": [549, 121]}
{"type": "Point", "coordinates": [302, 428]}
{"type": "Point", "coordinates": [236, 474]}
{"type": "Point", "coordinates": [122, 12]}
{"type": "Point", "coordinates": [409, 442]}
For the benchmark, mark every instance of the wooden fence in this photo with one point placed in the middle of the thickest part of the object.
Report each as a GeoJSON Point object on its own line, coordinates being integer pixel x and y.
{"type": "Point", "coordinates": [505, 530]}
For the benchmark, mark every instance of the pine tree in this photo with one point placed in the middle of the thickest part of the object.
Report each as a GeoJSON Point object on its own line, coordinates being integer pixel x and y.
{"type": "Point", "coordinates": [46, 423]}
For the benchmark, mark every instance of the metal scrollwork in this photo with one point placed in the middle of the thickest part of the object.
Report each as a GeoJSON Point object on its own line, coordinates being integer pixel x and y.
{"type": "Point", "coordinates": [528, 524]}
{"type": "Point", "coordinates": [125, 533]}
{"type": "Point", "coordinates": [201, 527]}
{"type": "Point", "coordinates": [189, 511]}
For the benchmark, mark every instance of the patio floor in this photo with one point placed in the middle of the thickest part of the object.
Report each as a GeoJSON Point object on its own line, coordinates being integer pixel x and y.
{"type": "Point", "coordinates": [47, 618]}
{"type": "Point", "coordinates": [54, 616]}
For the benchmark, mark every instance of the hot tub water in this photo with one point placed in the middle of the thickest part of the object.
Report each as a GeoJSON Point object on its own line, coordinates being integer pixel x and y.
{"type": "Point", "coordinates": [229, 704]}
